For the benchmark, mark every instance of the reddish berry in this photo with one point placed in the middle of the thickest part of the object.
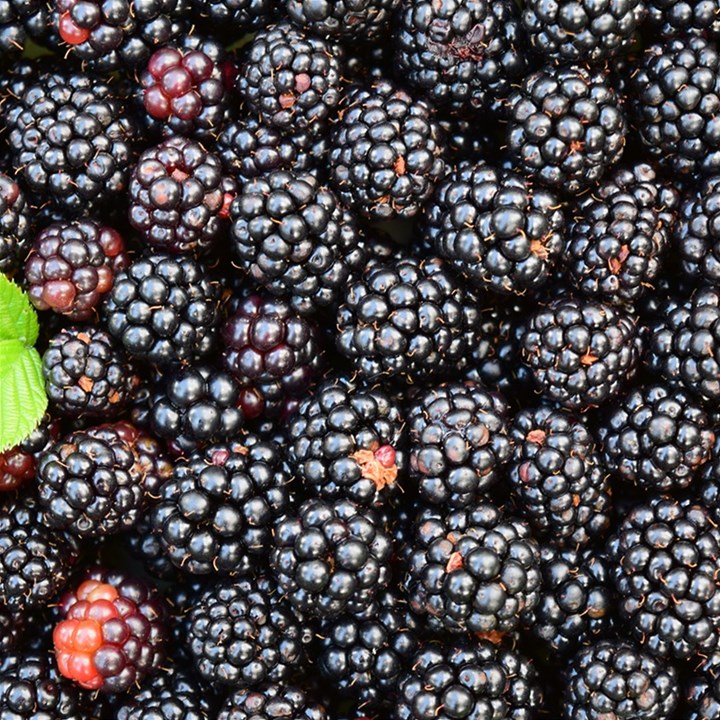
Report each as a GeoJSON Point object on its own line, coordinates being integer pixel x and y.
{"type": "Point", "coordinates": [19, 464]}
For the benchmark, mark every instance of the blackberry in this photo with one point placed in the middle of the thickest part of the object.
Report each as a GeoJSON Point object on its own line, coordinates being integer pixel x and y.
{"type": "Point", "coordinates": [703, 691]}
{"type": "Point", "coordinates": [291, 235]}
{"type": "Point", "coordinates": [472, 570]}
{"type": "Point", "coordinates": [272, 701]}
{"type": "Point", "coordinates": [620, 234]}
{"type": "Point", "coordinates": [675, 98]}
{"type": "Point", "coordinates": [566, 126]}
{"type": "Point", "coordinates": [274, 354]}
{"type": "Point", "coordinates": [576, 605]}
{"type": "Point", "coordinates": [18, 20]}
{"type": "Point", "coordinates": [386, 152]}
{"type": "Point", "coordinates": [683, 17]}
{"type": "Point", "coordinates": [164, 310]}
{"type": "Point", "coordinates": [614, 678]}
{"type": "Point", "coordinates": [291, 80]}
{"type": "Point", "coordinates": [112, 633]}
{"type": "Point", "coordinates": [215, 514]}
{"type": "Point", "coordinates": [409, 319]}
{"type": "Point", "coordinates": [464, 680]}
{"type": "Point", "coordinates": [496, 228]}
{"type": "Point", "coordinates": [18, 465]}
{"type": "Point", "coordinates": [557, 477]}
{"type": "Point", "coordinates": [72, 140]}
{"type": "Point", "coordinates": [179, 196]}
{"type": "Point", "coordinates": [347, 441]}
{"type": "Point", "coordinates": [196, 406]}
{"type": "Point", "coordinates": [665, 557]}
{"type": "Point", "coordinates": [363, 20]}
{"type": "Point", "coordinates": [14, 221]}
{"type": "Point", "coordinates": [330, 558]}
{"type": "Point", "coordinates": [86, 375]}
{"type": "Point", "coordinates": [231, 15]}
{"type": "Point", "coordinates": [657, 437]}
{"type": "Point", "coordinates": [458, 442]}
{"type": "Point", "coordinates": [581, 352]}
{"type": "Point", "coordinates": [242, 634]}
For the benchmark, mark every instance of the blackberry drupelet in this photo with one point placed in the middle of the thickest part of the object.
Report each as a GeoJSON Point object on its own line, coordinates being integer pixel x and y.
{"type": "Point", "coordinates": [180, 197]}
{"type": "Point", "coordinates": [566, 126]}
{"type": "Point", "coordinates": [164, 309]}
{"type": "Point", "coordinates": [703, 690]}
{"type": "Point", "coordinates": [458, 442]}
{"type": "Point", "coordinates": [242, 634]}
{"type": "Point", "coordinates": [581, 352]}
{"type": "Point", "coordinates": [410, 319]}
{"type": "Point", "coordinates": [465, 53]}
{"type": "Point", "coordinates": [619, 235]}
{"type": "Point", "coordinates": [72, 140]}
{"type": "Point", "coordinates": [476, 680]}
{"type": "Point", "coordinates": [472, 570]}
{"type": "Point", "coordinates": [18, 465]}
{"type": "Point", "coordinates": [557, 477]}
{"type": "Point", "coordinates": [657, 437]}
{"type": "Point", "coordinates": [14, 220]}
{"type": "Point", "coordinates": [215, 514]}
{"type": "Point", "coordinates": [684, 17]}
{"type": "Point", "coordinates": [665, 559]}
{"type": "Point", "coordinates": [291, 235]}
{"type": "Point", "coordinates": [349, 20]}
{"type": "Point", "coordinates": [18, 20]}
{"type": "Point", "coordinates": [330, 558]}
{"type": "Point", "coordinates": [272, 701]}
{"type": "Point", "coordinates": [615, 678]}
{"type": "Point", "coordinates": [386, 152]}
{"type": "Point", "coordinates": [86, 375]}
{"type": "Point", "coordinates": [496, 227]}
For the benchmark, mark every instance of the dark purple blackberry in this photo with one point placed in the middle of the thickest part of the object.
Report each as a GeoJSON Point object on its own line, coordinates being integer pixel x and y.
{"type": "Point", "coordinates": [350, 20]}
{"type": "Point", "coordinates": [274, 354]}
{"type": "Point", "coordinates": [196, 406]}
{"type": "Point", "coordinates": [330, 558]}
{"type": "Point", "coordinates": [242, 634]}
{"type": "Point", "coordinates": [347, 441]}
{"type": "Point", "coordinates": [670, 18]}
{"type": "Point", "coordinates": [291, 235]}
{"type": "Point", "coordinates": [458, 442]}
{"type": "Point", "coordinates": [272, 701]}
{"type": "Point", "coordinates": [619, 235]}
{"type": "Point", "coordinates": [409, 319]}
{"type": "Point", "coordinates": [557, 477]}
{"type": "Point", "coordinates": [566, 126]}
{"type": "Point", "coordinates": [14, 220]}
{"type": "Point", "coordinates": [229, 16]}
{"type": "Point", "coordinates": [665, 558]}
{"type": "Point", "coordinates": [72, 140]}
{"type": "Point", "coordinates": [703, 691]}
{"type": "Point", "coordinates": [215, 515]}
{"type": "Point", "coordinates": [180, 197]}
{"type": "Point", "coordinates": [675, 99]}
{"type": "Point", "coordinates": [386, 152]}
{"type": "Point", "coordinates": [476, 680]}
{"type": "Point", "coordinates": [18, 20]}
{"type": "Point", "coordinates": [657, 437]}
{"type": "Point", "coordinates": [581, 352]}
{"type": "Point", "coordinates": [86, 375]}
{"type": "Point", "coordinates": [164, 309]}
{"type": "Point", "coordinates": [472, 571]}
{"type": "Point", "coordinates": [291, 80]}
{"type": "Point", "coordinates": [615, 678]}
{"type": "Point", "coordinates": [496, 228]}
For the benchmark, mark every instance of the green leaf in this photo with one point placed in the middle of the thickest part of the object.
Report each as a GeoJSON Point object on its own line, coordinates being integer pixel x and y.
{"type": "Point", "coordinates": [18, 320]}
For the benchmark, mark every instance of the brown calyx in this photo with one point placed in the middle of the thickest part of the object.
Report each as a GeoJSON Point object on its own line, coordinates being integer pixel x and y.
{"type": "Point", "coordinates": [378, 465]}
{"type": "Point", "coordinates": [615, 264]}
{"type": "Point", "coordinates": [493, 636]}
{"type": "Point", "coordinates": [455, 562]}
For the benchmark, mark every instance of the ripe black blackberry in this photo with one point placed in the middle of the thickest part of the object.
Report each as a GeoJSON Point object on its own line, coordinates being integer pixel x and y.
{"type": "Point", "coordinates": [86, 375]}
{"type": "Point", "coordinates": [14, 220]}
{"type": "Point", "coordinates": [353, 20]}
{"type": "Point", "coordinates": [330, 558]}
{"type": "Point", "coordinates": [498, 229]}
{"type": "Point", "coordinates": [291, 235]}
{"type": "Point", "coordinates": [674, 95]}
{"type": "Point", "coordinates": [460, 681]}
{"type": "Point", "coordinates": [671, 18]}
{"type": "Point", "coordinates": [703, 691]}
{"type": "Point", "coordinates": [566, 126]}
{"type": "Point", "coordinates": [615, 678]}
{"type": "Point", "coordinates": [18, 20]}
{"type": "Point", "coordinates": [227, 16]}
{"type": "Point", "coordinates": [458, 442]}
{"type": "Point", "coordinates": [472, 570]}
{"type": "Point", "coordinates": [215, 514]}
{"type": "Point", "coordinates": [409, 319]}
{"type": "Point", "coordinates": [347, 441]}
{"type": "Point", "coordinates": [581, 352]}
{"type": "Point", "coordinates": [292, 80]}
{"type": "Point", "coordinates": [242, 634]}
{"type": "Point", "coordinates": [72, 140]}
{"type": "Point", "coordinates": [164, 309]}
{"type": "Point", "coordinates": [272, 701]}
{"type": "Point", "coordinates": [665, 559]}
{"type": "Point", "coordinates": [657, 437]}
{"type": "Point", "coordinates": [557, 477]}
{"type": "Point", "coordinates": [386, 152]}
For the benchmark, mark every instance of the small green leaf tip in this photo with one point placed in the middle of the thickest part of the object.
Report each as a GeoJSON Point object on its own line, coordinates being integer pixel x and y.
{"type": "Point", "coordinates": [22, 391]}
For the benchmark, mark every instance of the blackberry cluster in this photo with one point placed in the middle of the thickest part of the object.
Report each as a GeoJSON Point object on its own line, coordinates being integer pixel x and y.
{"type": "Point", "coordinates": [15, 223]}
